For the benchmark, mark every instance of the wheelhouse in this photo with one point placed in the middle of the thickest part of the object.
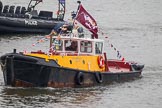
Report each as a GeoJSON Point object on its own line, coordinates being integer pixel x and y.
{"type": "Point", "coordinates": [77, 46]}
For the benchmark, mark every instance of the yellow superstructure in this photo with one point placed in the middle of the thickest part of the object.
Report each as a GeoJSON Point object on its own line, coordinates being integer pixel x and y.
{"type": "Point", "coordinates": [87, 63]}
{"type": "Point", "coordinates": [75, 53]}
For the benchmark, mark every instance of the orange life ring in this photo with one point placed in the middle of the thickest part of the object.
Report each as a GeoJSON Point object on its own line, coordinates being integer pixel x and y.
{"type": "Point", "coordinates": [101, 62]}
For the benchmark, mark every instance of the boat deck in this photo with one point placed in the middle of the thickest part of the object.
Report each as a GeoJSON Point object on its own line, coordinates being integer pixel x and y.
{"type": "Point", "coordinates": [118, 69]}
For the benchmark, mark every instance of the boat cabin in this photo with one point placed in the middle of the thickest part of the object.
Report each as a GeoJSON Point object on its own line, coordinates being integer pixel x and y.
{"type": "Point", "coordinates": [66, 45]}
{"type": "Point", "coordinates": [75, 53]}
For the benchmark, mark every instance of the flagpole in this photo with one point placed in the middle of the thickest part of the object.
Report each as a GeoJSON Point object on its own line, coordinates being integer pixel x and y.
{"type": "Point", "coordinates": [79, 2]}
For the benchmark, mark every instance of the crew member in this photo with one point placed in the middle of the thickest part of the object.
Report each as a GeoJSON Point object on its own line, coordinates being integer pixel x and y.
{"type": "Point", "coordinates": [62, 29]}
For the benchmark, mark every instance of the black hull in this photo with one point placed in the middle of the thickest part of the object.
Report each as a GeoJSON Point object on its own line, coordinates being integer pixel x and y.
{"type": "Point", "coordinates": [25, 25]}
{"type": "Point", "coordinates": [24, 71]}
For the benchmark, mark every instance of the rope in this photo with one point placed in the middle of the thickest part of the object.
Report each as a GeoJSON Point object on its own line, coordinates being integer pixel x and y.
{"type": "Point", "coordinates": [2, 63]}
{"type": "Point", "coordinates": [119, 55]}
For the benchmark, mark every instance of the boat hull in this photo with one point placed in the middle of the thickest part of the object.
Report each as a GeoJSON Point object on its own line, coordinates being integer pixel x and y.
{"type": "Point", "coordinates": [26, 71]}
{"type": "Point", "coordinates": [26, 25]}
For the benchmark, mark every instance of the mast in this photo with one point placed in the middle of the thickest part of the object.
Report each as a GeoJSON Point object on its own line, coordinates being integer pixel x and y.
{"type": "Point", "coordinates": [32, 4]}
{"type": "Point", "coordinates": [61, 9]}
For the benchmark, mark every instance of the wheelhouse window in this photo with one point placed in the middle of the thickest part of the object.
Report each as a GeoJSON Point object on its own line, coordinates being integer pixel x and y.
{"type": "Point", "coordinates": [86, 46]}
{"type": "Point", "coordinates": [57, 45]}
{"type": "Point", "coordinates": [98, 47]}
{"type": "Point", "coordinates": [71, 45]}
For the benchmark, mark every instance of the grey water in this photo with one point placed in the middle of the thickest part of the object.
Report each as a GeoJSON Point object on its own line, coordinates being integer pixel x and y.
{"type": "Point", "coordinates": [134, 27]}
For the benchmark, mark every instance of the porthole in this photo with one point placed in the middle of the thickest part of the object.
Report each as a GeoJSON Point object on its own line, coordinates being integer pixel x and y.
{"type": "Point", "coordinates": [70, 61]}
{"type": "Point", "coordinates": [83, 62]}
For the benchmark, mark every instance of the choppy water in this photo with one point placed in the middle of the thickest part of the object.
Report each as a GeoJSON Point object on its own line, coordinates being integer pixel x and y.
{"type": "Point", "coordinates": [134, 27]}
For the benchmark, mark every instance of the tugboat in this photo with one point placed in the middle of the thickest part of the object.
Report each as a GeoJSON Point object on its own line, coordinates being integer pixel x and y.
{"type": "Point", "coordinates": [72, 61]}
{"type": "Point", "coordinates": [19, 19]}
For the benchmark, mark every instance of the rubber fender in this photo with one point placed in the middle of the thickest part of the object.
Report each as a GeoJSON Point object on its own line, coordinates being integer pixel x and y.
{"type": "Point", "coordinates": [79, 78]}
{"type": "Point", "coordinates": [99, 77]}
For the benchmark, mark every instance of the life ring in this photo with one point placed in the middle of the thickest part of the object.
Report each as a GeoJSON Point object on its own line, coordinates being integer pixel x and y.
{"type": "Point", "coordinates": [101, 61]}
{"type": "Point", "coordinates": [79, 78]}
{"type": "Point", "coordinates": [99, 77]}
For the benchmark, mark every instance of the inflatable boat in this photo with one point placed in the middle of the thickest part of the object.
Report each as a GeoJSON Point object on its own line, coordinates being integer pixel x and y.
{"type": "Point", "coordinates": [19, 19]}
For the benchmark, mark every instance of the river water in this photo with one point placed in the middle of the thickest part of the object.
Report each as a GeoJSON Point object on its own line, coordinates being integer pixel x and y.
{"type": "Point", "coordinates": [134, 27]}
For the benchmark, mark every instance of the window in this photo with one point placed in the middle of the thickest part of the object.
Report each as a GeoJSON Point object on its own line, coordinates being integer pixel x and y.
{"type": "Point", "coordinates": [57, 44]}
{"type": "Point", "coordinates": [86, 46]}
{"type": "Point", "coordinates": [98, 47]}
{"type": "Point", "coordinates": [71, 45]}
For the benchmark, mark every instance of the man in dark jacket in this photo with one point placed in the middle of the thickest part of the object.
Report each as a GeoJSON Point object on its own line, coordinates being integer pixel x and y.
{"type": "Point", "coordinates": [61, 28]}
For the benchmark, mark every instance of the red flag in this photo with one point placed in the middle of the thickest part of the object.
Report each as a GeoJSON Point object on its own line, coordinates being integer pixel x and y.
{"type": "Point", "coordinates": [87, 21]}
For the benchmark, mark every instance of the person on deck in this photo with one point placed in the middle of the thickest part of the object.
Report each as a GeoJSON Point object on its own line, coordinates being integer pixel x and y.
{"type": "Point", "coordinates": [61, 28]}
{"type": "Point", "coordinates": [56, 29]}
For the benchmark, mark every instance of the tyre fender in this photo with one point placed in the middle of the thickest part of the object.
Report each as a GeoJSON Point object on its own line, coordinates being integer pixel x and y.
{"type": "Point", "coordinates": [79, 78]}
{"type": "Point", "coordinates": [99, 77]}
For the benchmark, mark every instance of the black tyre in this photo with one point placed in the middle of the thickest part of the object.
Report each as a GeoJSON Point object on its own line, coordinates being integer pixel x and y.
{"type": "Point", "coordinates": [99, 77]}
{"type": "Point", "coordinates": [79, 78]}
